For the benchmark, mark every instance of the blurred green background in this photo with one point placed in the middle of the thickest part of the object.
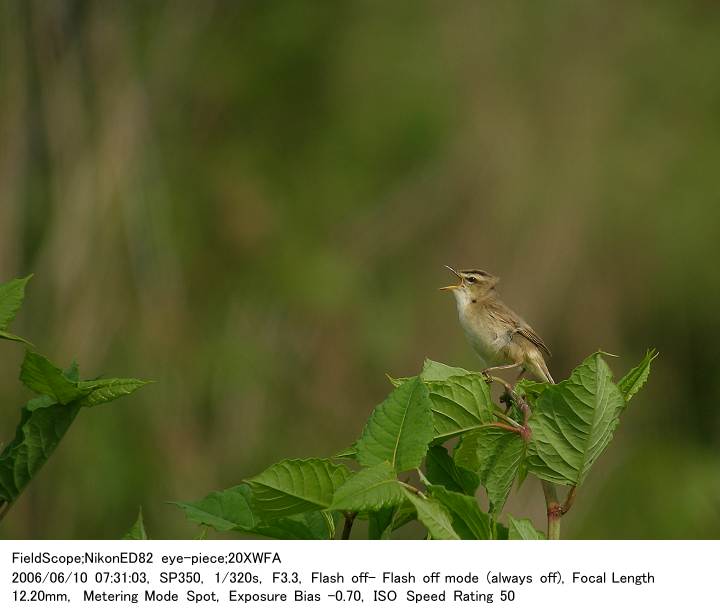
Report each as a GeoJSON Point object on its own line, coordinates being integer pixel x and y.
{"type": "Point", "coordinates": [251, 202]}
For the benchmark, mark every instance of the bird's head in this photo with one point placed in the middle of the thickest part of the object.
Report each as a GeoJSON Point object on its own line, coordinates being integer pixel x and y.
{"type": "Point", "coordinates": [473, 284]}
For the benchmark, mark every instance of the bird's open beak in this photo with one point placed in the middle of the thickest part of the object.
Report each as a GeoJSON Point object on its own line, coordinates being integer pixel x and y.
{"type": "Point", "coordinates": [452, 286]}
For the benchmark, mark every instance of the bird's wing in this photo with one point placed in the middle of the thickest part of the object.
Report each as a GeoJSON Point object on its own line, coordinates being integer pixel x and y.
{"type": "Point", "coordinates": [528, 332]}
{"type": "Point", "coordinates": [517, 325]}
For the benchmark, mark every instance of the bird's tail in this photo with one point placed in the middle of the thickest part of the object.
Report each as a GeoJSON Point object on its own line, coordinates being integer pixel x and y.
{"type": "Point", "coordinates": [539, 368]}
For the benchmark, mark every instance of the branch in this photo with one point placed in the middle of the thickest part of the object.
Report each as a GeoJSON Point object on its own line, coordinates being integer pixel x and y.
{"type": "Point", "coordinates": [519, 401]}
{"type": "Point", "coordinates": [349, 519]}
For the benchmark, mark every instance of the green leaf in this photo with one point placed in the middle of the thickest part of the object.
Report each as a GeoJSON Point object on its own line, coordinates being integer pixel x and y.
{"type": "Point", "coordinates": [40, 402]}
{"type": "Point", "coordinates": [43, 377]}
{"type": "Point", "coordinates": [36, 438]}
{"type": "Point", "coordinates": [44, 420]}
{"type": "Point", "coordinates": [432, 371]}
{"type": "Point", "coordinates": [295, 486]}
{"type": "Point", "coordinates": [383, 522]}
{"type": "Point", "coordinates": [440, 469]}
{"type": "Point", "coordinates": [102, 391]}
{"type": "Point", "coordinates": [435, 371]}
{"type": "Point", "coordinates": [573, 422]}
{"type": "Point", "coordinates": [468, 520]}
{"type": "Point", "coordinates": [459, 404]}
{"type": "Point", "coordinates": [371, 489]}
{"type": "Point", "coordinates": [405, 512]}
{"type": "Point", "coordinates": [138, 529]}
{"type": "Point", "coordinates": [380, 523]}
{"type": "Point", "coordinates": [460, 400]}
{"type": "Point", "coordinates": [495, 455]}
{"type": "Point", "coordinates": [231, 510]}
{"type": "Point", "coordinates": [303, 526]}
{"type": "Point", "coordinates": [14, 338]}
{"type": "Point", "coordinates": [11, 298]}
{"type": "Point", "coordinates": [40, 375]}
{"type": "Point", "coordinates": [399, 429]}
{"type": "Point", "coordinates": [500, 531]}
{"type": "Point", "coordinates": [72, 373]}
{"type": "Point", "coordinates": [522, 529]}
{"type": "Point", "coordinates": [530, 390]}
{"type": "Point", "coordinates": [433, 516]}
{"type": "Point", "coordinates": [633, 381]}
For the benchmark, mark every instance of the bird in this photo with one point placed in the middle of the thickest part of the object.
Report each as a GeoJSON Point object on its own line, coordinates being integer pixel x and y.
{"type": "Point", "coordinates": [501, 338]}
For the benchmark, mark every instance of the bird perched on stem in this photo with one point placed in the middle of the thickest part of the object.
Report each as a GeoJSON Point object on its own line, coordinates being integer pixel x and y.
{"type": "Point", "coordinates": [498, 335]}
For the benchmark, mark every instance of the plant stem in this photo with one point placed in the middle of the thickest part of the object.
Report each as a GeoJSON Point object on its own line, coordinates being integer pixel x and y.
{"type": "Point", "coordinates": [349, 519]}
{"type": "Point", "coordinates": [507, 418]}
{"type": "Point", "coordinates": [412, 489]}
{"type": "Point", "coordinates": [569, 500]}
{"type": "Point", "coordinates": [554, 510]}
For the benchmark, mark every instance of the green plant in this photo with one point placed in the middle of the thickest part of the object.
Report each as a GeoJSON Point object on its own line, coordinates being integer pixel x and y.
{"type": "Point", "coordinates": [553, 431]}
{"type": "Point", "coordinates": [46, 418]}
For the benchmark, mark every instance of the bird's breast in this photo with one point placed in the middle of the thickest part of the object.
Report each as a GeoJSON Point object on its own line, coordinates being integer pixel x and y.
{"type": "Point", "coordinates": [483, 337]}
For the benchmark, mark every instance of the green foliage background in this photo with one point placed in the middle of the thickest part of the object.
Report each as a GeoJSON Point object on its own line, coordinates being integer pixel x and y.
{"type": "Point", "coordinates": [250, 203]}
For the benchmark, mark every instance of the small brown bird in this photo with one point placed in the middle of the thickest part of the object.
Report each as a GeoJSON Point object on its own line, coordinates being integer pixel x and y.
{"type": "Point", "coordinates": [498, 335]}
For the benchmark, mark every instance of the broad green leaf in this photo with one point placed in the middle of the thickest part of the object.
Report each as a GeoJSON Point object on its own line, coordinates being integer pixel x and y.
{"type": "Point", "coordinates": [433, 516]}
{"type": "Point", "coordinates": [573, 422]}
{"type": "Point", "coordinates": [500, 531]}
{"type": "Point", "coordinates": [435, 371]}
{"type": "Point", "coordinates": [380, 523]}
{"type": "Point", "coordinates": [522, 529]}
{"type": "Point", "coordinates": [102, 391]}
{"type": "Point", "coordinates": [399, 429]}
{"type": "Point", "coordinates": [231, 510]}
{"type": "Point", "coordinates": [43, 377]}
{"type": "Point", "coordinates": [36, 437]}
{"type": "Point", "coordinates": [495, 455]}
{"type": "Point", "coordinates": [432, 371]}
{"type": "Point", "coordinates": [309, 525]}
{"type": "Point", "coordinates": [383, 522]}
{"type": "Point", "coordinates": [530, 390]}
{"type": "Point", "coordinates": [40, 375]}
{"type": "Point", "coordinates": [40, 402]}
{"type": "Point", "coordinates": [14, 338]}
{"type": "Point", "coordinates": [137, 531]}
{"type": "Point", "coordinates": [522, 472]}
{"type": "Point", "coordinates": [11, 298]}
{"type": "Point", "coordinates": [468, 520]}
{"type": "Point", "coordinates": [44, 420]}
{"type": "Point", "coordinates": [295, 486]}
{"type": "Point", "coordinates": [405, 512]}
{"type": "Point", "coordinates": [459, 404]}
{"type": "Point", "coordinates": [371, 489]}
{"type": "Point", "coordinates": [633, 381]}
{"type": "Point", "coordinates": [440, 469]}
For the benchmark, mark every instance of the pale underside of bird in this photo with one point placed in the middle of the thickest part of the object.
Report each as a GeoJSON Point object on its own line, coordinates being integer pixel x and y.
{"type": "Point", "coordinates": [498, 335]}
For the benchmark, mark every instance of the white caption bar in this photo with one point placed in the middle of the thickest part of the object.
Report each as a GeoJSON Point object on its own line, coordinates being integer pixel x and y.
{"type": "Point", "coordinates": [380, 577]}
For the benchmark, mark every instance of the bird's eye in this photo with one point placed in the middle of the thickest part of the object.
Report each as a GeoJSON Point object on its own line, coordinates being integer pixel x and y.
{"type": "Point", "coordinates": [471, 279]}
